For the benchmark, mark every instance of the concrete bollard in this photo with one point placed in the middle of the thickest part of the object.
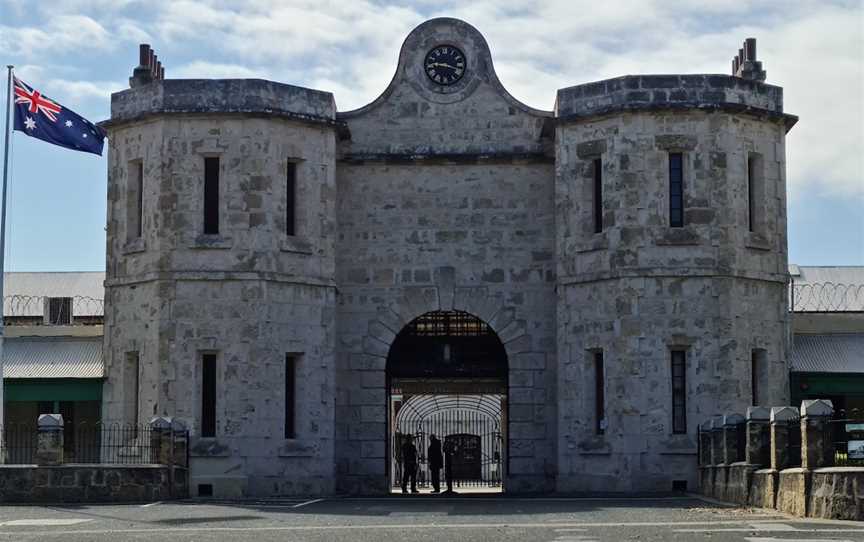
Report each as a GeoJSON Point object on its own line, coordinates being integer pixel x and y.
{"type": "Point", "coordinates": [731, 426]}
{"type": "Point", "coordinates": [817, 439]}
{"type": "Point", "coordinates": [783, 419]}
{"type": "Point", "coordinates": [49, 440]}
{"type": "Point", "coordinates": [758, 443]}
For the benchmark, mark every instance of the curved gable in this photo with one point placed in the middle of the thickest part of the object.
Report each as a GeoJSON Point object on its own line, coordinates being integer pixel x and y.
{"type": "Point", "coordinates": [417, 116]}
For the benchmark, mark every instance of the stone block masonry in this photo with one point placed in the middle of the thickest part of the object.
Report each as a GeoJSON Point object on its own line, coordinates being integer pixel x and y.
{"type": "Point", "coordinates": [334, 230]}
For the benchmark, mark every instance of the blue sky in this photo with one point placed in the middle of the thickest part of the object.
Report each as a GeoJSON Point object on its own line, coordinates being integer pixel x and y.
{"type": "Point", "coordinates": [79, 51]}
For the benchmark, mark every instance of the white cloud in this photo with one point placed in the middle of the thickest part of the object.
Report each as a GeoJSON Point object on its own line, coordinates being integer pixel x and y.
{"type": "Point", "coordinates": [812, 48]}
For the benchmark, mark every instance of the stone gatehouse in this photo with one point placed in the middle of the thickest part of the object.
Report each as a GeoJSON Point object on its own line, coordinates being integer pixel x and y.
{"type": "Point", "coordinates": [626, 251]}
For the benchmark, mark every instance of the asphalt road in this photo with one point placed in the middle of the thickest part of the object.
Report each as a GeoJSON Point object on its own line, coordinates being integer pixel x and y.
{"type": "Point", "coordinates": [420, 519]}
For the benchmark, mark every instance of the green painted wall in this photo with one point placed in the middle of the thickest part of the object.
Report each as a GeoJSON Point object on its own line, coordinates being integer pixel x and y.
{"type": "Point", "coordinates": [53, 389]}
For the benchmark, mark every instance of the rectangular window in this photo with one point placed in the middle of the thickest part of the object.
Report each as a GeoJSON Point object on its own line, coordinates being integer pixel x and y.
{"type": "Point", "coordinates": [598, 195]}
{"type": "Point", "coordinates": [208, 395]}
{"type": "Point", "coordinates": [676, 189]}
{"type": "Point", "coordinates": [679, 391]}
{"type": "Point", "coordinates": [60, 311]}
{"type": "Point", "coordinates": [291, 199]}
{"type": "Point", "coordinates": [757, 366]}
{"type": "Point", "coordinates": [599, 394]}
{"type": "Point", "coordinates": [290, 395]}
{"type": "Point", "coordinates": [135, 201]}
{"type": "Point", "coordinates": [751, 196]}
{"type": "Point", "coordinates": [211, 195]}
{"type": "Point", "coordinates": [755, 193]}
{"type": "Point", "coordinates": [131, 385]}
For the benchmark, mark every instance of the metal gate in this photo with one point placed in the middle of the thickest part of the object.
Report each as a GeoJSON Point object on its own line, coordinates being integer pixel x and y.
{"type": "Point", "coordinates": [471, 423]}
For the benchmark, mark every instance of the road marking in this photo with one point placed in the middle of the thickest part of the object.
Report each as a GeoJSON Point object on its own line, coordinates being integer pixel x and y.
{"type": "Point", "coordinates": [42, 522]}
{"type": "Point", "coordinates": [421, 513]}
{"type": "Point", "coordinates": [400, 526]}
{"type": "Point", "coordinates": [307, 503]}
{"type": "Point", "coordinates": [760, 539]}
{"type": "Point", "coordinates": [148, 505]}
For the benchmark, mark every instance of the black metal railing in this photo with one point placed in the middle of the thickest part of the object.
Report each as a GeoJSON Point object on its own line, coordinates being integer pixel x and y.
{"type": "Point", "coordinates": [114, 443]}
{"type": "Point", "coordinates": [741, 441]}
{"type": "Point", "coordinates": [18, 445]}
{"type": "Point", "coordinates": [793, 445]}
{"type": "Point", "coordinates": [847, 430]}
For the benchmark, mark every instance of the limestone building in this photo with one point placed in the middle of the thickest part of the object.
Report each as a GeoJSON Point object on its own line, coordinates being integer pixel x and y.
{"type": "Point", "coordinates": [287, 278]}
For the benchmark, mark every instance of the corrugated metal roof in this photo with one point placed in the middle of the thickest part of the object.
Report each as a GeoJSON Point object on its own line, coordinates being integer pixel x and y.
{"type": "Point", "coordinates": [835, 353]}
{"type": "Point", "coordinates": [23, 292]}
{"type": "Point", "coordinates": [52, 358]}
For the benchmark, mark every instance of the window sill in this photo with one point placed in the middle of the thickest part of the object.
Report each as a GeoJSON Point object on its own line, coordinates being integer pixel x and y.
{"type": "Point", "coordinates": [757, 241]}
{"type": "Point", "coordinates": [296, 245]}
{"type": "Point", "coordinates": [208, 447]}
{"type": "Point", "coordinates": [599, 241]}
{"type": "Point", "coordinates": [295, 448]}
{"type": "Point", "coordinates": [683, 236]}
{"type": "Point", "coordinates": [212, 241]}
{"type": "Point", "coordinates": [134, 246]}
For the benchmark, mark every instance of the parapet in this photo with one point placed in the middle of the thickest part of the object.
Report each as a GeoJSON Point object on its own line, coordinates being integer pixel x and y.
{"type": "Point", "coordinates": [218, 96]}
{"type": "Point", "coordinates": [675, 92]}
{"type": "Point", "coordinates": [152, 94]}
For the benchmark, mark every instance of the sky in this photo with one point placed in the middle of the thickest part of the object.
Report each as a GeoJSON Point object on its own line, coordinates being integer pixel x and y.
{"type": "Point", "coordinates": [78, 52]}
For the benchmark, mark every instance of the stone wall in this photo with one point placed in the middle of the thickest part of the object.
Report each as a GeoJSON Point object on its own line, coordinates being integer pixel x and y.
{"type": "Point", "coordinates": [89, 483]}
{"type": "Point", "coordinates": [815, 489]}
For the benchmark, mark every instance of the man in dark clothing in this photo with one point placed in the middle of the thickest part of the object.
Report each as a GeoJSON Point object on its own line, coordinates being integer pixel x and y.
{"type": "Point", "coordinates": [449, 452]}
{"type": "Point", "coordinates": [436, 461]}
{"type": "Point", "coordinates": [409, 465]}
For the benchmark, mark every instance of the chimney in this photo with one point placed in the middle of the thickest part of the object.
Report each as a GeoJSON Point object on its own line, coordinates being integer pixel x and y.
{"type": "Point", "coordinates": [149, 67]}
{"type": "Point", "coordinates": [745, 64]}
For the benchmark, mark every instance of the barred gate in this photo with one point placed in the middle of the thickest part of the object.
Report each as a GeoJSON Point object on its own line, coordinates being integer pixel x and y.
{"type": "Point", "coordinates": [472, 423]}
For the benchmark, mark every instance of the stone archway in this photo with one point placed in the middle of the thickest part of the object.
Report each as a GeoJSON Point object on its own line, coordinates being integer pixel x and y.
{"type": "Point", "coordinates": [447, 375]}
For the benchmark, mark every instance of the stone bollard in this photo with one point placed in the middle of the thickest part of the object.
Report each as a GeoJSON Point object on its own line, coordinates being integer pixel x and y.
{"type": "Point", "coordinates": [717, 457]}
{"type": "Point", "coordinates": [758, 443]}
{"type": "Point", "coordinates": [731, 424]}
{"type": "Point", "coordinates": [705, 443]}
{"type": "Point", "coordinates": [783, 419]}
{"type": "Point", "coordinates": [161, 440]}
{"type": "Point", "coordinates": [49, 440]}
{"type": "Point", "coordinates": [817, 439]}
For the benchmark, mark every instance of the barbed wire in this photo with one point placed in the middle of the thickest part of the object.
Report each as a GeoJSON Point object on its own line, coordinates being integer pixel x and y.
{"type": "Point", "coordinates": [826, 297]}
{"type": "Point", "coordinates": [41, 305]}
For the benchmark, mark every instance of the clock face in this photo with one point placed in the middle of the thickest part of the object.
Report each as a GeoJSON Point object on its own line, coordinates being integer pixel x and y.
{"type": "Point", "coordinates": [445, 64]}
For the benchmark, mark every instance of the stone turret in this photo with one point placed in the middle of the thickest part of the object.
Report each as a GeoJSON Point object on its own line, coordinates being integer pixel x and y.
{"type": "Point", "coordinates": [221, 232]}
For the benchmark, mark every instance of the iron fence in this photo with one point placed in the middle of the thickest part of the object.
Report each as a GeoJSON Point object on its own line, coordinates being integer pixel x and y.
{"type": "Point", "coordinates": [826, 297]}
{"type": "Point", "coordinates": [741, 441]}
{"type": "Point", "coordinates": [793, 445]}
{"type": "Point", "coordinates": [848, 435]}
{"type": "Point", "coordinates": [115, 443]}
{"type": "Point", "coordinates": [19, 444]}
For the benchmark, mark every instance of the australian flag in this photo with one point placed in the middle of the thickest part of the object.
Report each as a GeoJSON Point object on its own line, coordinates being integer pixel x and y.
{"type": "Point", "coordinates": [45, 119]}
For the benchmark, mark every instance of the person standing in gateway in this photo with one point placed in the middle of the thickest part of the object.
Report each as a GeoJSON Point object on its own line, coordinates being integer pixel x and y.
{"type": "Point", "coordinates": [409, 465]}
{"type": "Point", "coordinates": [436, 461]}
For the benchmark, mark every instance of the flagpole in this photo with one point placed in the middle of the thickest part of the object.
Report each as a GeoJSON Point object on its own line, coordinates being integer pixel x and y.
{"type": "Point", "coordinates": [7, 136]}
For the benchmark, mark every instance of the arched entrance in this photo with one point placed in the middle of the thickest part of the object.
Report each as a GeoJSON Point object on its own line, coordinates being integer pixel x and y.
{"type": "Point", "coordinates": [447, 376]}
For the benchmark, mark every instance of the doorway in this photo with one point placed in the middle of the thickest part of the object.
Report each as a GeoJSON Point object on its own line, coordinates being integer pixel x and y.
{"type": "Point", "coordinates": [447, 377]}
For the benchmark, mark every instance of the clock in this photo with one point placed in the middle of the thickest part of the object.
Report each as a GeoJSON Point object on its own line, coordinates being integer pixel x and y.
{"type": "Point", "coordinates": [445, 64]}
